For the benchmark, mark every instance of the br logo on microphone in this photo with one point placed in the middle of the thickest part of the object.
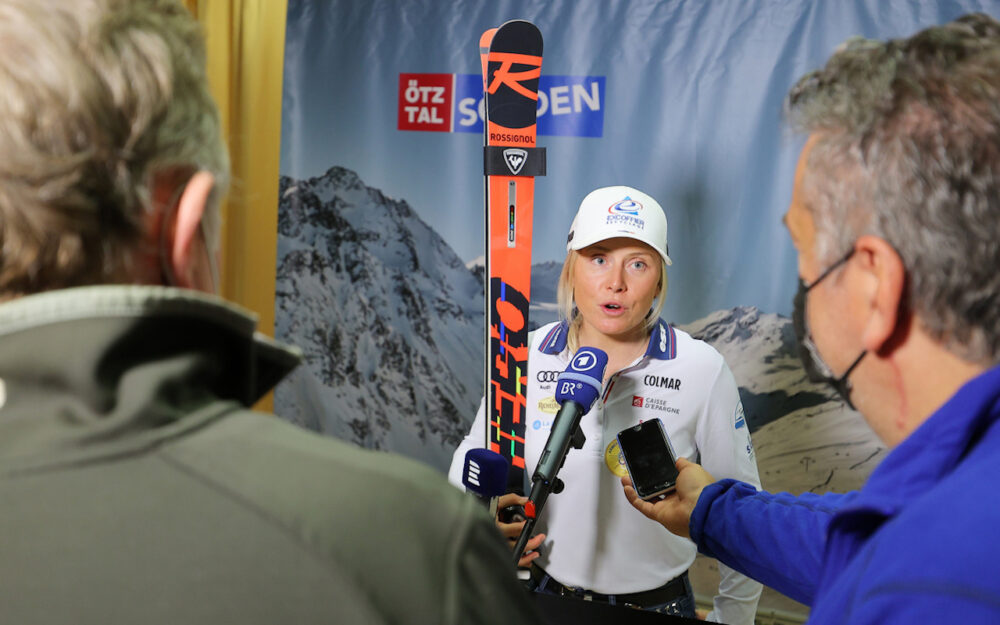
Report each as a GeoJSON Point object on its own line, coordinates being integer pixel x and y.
{"type": "Point", "coordinates": [581, 381]}
{"type": "Point", "coordinates": [569, 388]}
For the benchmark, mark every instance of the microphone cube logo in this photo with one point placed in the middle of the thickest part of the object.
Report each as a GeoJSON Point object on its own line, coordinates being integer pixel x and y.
{"type": "Point", "coordinates": [581, 382]}
{"type": "Point", "coordinates": [584, 361]}
{"type": "Point", "coordinates": [473, 475]}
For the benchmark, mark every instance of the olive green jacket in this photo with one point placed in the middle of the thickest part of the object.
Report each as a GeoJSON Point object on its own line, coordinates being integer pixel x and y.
{"type": "Point", "coordinates": [136, 486]}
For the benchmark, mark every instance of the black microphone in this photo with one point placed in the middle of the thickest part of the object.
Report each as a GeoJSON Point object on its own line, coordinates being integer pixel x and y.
{"type": "Point", "coordinates": [577, 389]}
{"type": "Point", "coordinates": [485, 476]}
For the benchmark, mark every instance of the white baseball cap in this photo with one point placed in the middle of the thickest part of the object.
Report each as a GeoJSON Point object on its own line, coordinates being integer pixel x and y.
{"type": "Point", "coordinates": [611, 212]}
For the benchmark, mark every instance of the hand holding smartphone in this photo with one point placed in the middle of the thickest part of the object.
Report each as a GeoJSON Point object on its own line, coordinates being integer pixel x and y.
{"type": "Point", "coordinates": [649, 458]}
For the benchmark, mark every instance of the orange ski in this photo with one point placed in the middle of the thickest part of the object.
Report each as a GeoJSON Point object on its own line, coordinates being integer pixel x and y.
{"type": "Point", "coordinates": [511, 58]}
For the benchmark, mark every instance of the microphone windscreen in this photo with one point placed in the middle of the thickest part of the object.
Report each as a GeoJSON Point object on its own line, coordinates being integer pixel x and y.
{"type": "Point", "coordinates": [582, 380]}
{"type": "Point", "coordinates": [485, 472]}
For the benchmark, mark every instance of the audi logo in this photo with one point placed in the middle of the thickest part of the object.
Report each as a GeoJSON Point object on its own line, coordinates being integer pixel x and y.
{"type": "Point", "coordinates": [547, 376]}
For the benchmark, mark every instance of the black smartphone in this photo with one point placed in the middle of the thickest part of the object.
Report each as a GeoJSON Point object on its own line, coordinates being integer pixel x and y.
{"type": "Point", "coordinates": [649, 458]}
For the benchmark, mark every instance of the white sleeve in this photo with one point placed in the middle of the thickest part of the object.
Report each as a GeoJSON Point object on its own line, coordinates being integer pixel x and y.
{"type": "Point", "coordinates": [723, 435]}
{"type": "Point", "coordinates": [475, 439]}
{"type": "Point", "coordinates": [723, 438]}
{"type": "Point", "coordinates": [736, 602]}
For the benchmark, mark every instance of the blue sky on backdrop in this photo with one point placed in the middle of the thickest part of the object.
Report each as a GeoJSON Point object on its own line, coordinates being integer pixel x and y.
{"type": "Point", "coordinates": [690, 112]}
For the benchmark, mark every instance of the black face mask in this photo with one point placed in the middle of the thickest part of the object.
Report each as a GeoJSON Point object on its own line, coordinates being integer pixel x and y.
{"type": "Point", "coordinates": [816, 369]}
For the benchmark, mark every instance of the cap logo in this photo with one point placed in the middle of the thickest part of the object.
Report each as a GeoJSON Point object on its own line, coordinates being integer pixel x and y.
{"type": "Point", "coordinates": [623, 216]}
{"type": "Point", "coordinates": [627, 206]}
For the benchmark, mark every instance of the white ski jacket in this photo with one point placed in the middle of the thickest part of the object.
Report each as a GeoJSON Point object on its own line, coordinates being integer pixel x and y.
{"type": "Point", "coordinates": [595, 539]}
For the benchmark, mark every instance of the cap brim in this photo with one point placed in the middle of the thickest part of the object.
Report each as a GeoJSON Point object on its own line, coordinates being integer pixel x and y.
{"type": "Point", "coordinates": [578, 243]}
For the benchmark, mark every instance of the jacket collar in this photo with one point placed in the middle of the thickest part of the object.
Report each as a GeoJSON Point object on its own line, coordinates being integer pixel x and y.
{"type": "Point", "coordinates": [104, 363]}
{"type": "Point", "coordinates": [934, 449]}
{"type": "Point", "coordinates": [270, 360]}
{"type": "Point", "coordinates": [662, 341]}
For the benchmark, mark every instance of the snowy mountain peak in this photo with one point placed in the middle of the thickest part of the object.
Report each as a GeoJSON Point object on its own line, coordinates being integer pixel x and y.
{"type": "Point", "coordinates": [342, 178]}
{"type": "Point", "coordinates": [388, 316]}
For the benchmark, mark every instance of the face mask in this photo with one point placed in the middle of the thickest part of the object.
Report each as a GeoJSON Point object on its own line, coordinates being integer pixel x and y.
{"type": "Point", "coordinates": [817, 370]}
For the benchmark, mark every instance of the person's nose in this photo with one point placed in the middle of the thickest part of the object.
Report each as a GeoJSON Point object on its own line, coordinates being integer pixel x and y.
{"type": "Point", "coordinates": [616, 280]}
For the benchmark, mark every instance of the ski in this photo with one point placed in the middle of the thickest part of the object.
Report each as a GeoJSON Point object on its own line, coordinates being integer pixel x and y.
{"type": "Point", "coordinates": [512, 63]}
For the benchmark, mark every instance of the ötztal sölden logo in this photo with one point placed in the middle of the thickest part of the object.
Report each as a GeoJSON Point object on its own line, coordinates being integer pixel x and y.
{"type": "Point", "coordinates": [570, 106]}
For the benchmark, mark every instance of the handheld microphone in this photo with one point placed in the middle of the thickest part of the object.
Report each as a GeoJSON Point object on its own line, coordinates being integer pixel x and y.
{"type": "Point", "coordinates": [577, 389]}
{"type": "Point", "coordinates": [485, 476]}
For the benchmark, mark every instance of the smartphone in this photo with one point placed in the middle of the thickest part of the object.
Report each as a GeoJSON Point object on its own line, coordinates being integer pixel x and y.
{"type": "Point", "coordinates": [649, 458]}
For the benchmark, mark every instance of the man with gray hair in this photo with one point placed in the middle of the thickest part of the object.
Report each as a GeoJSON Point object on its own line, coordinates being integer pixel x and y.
{"type": "Point", "coordinates": [136, 485]}
{"type": "Point", "coordinates": [895, 216]}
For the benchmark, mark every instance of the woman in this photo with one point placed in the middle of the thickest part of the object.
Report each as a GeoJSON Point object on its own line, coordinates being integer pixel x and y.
{"type": "Point", "coordinates": [591, 542]}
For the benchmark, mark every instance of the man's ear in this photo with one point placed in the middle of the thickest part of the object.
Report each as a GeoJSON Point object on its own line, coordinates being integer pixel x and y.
{"type": "Point", "coordinates": [885, 278]}
{"type": "Point", "coordinates": [191, 208]}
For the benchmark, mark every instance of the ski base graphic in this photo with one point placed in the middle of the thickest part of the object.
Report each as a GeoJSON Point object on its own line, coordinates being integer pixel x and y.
{"type": "Point", "coordinates": [511, 59]}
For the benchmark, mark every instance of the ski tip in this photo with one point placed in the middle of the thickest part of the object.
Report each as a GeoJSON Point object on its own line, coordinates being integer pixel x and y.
{"type": "Point", "coordinates": [485, 39]}
{"type": "Point", "coordinates": [517, 36]}
{"type": "Point", "coordinates": [520, 25]}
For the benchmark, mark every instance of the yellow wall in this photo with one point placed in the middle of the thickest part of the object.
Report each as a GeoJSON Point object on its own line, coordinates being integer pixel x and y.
{"type": "Point", "coordinates": [246, 47]}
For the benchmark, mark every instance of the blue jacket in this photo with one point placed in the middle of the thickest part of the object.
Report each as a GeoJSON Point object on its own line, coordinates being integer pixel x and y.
{"type": "Point", "coordinates": [919, 543]}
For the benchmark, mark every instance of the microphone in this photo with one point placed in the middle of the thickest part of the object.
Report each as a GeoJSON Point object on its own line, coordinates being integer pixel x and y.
{"type": "Point", "coordinates": [485, 476]}
{"type": "Point", "coordinates": [577, 389]}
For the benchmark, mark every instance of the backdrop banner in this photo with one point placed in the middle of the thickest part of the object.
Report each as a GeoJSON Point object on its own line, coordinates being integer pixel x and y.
{"type": "Point", "coordinates": [380, 241]}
